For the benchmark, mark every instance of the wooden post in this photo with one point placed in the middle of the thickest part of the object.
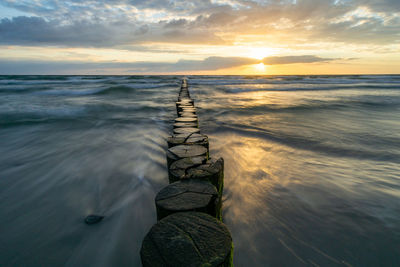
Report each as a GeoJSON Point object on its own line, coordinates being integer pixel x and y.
{"type": "Point", "coordinates": [188, 195]}
{"type": "Point", "coordinates": [188, 139]}
{"type": "Point", "coordinates": [186, 119]}
{"type": "Point", "coordinates": [187, 239]}
{"type": "Point", "coordinates": [187, 114]}
{"type": "Point", "coordinates": [184, 151]}
{"type": "Point", "coordinates": [194, 168]}
{"type": "Point", "coordinates": [186, 130]}
{"type": "Point", "coordinates": [184, 125]}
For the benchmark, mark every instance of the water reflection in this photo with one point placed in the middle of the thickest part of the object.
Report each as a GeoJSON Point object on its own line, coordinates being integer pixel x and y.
{"type": "Point", "coordinates": [289, 208]}
{"type": "Point", "coordinates": [311, 176]}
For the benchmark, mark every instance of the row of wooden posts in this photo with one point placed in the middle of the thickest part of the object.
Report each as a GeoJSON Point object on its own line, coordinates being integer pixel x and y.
{"type": "Point", "coordinates": [189, 229]}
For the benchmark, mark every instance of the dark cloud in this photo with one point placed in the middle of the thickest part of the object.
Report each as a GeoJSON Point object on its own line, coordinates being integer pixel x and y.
{"type": "Point", "coordinates": [361, 31]}
{"type": "Point", "coordinates": [51, 67]}
{"type": "Point", "coordinates": [380, 5]}
{"type": "Point", "coordinates": [38, 31]}
{"type": "Point", "coordinates": [175, 23]}
{"type": "Point", "coordinates": [295, 59]}
{"type": "Point", "coordinates": [207, 64]}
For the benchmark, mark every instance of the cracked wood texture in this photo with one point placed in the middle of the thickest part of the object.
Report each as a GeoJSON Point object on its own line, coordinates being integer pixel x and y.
{"type": "Point", "coordinates": [187, 239]}
{"type": "Point", "coordinates": [185, 151]}
{"type": "Point", "coordinates": [188, 139]}
{"type": "Point", "coordinates": [187, 114]}
{"type": "Point", "coordinates": [188, 195]}
{"type": "Point", "coordinates": [184, 125]}
{"type": "Point", "coordinates": [186, 130]}
{"type": "Point", "coordinates": [211, 170]}
{"type": "Point", "coordinates": [186, 119]}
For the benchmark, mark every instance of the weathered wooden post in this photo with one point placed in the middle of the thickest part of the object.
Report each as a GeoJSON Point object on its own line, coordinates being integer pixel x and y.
{"type": "Point", "coordinates": [186, 130]}
{"type": "Point", "coordinates": [188, 195]}
{"type": "Point", "coordinates": [185, 151]}
{"type": "Point", "coordinates": [188, 139]}
{"type": "Point", "coordinates": [187, 239]}
{"type": "Point", "coordinates": [184, 125]}
{"type": "Point", "coordinates": [196, 168]}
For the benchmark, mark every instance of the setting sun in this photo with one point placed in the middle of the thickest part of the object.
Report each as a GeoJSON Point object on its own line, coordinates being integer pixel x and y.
{"type": "Point", "coordinates": [259, 67]}
{"type": "Point", "coordinates": [260, 52]}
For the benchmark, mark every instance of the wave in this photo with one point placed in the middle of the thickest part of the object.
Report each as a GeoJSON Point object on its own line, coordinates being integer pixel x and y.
{"type": "Point", "coordinates": [100, 110]}
{"type": "Point", "coordinates": [129, 88]}
{"type": "Point", "coordinates": [309, 88]}
{"type": "Point", "coordinates": [69, 92]}
{"type": "Point", "coordinates": [303, 79]}
{"type": "Point", "coordinates": [315, 106]}
{"type": "Point", "coordinates": [39, 117]}
{"type": "Point", "coordinates": [80, 90]}
{"type": "Point", "coordinates": [34, 77]}
{"type": "Point", "coordinates": [116, 90]}
{"type": "Point", "coordinates": [299, 142]}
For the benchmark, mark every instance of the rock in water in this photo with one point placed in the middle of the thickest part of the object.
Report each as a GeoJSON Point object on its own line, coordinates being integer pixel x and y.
{"type": "Point", "coordinates": [187, 239]}
{"type": "Point", "coordinates": [92, 219]}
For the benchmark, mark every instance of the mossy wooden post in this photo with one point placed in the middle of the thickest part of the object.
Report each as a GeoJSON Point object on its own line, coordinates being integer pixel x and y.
{"type": "Point", "coordinates": [188, 139]}
{"type": "Point", "coordinates": [185, 151]}
{"type": "Point", "coordinates": [187, 114]}
{"type": "Point", "coordinates": [185, 108]}
{"type": "Point", "coordinates": [184, 103]}
{"type": "Point", "coordinates": [186, 119]}
{"type": "Point", "coordinates": [211, 170]}
{"type": "Point", "coordinates": [186, 130]}
{"type": "Point", "coordinates": [188, 195]}
{"type": "Point", "coordinates": [184, 125]}
{"type": "Point", "coordinates": [187, 239]}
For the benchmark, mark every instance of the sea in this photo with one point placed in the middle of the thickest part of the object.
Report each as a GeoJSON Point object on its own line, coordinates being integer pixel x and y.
{"type": "Point", "coordinates": [312, 166]}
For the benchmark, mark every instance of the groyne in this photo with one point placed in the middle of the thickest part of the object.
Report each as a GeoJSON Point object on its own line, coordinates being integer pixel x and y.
{"type": "Point", "coordinates": [189, 229]}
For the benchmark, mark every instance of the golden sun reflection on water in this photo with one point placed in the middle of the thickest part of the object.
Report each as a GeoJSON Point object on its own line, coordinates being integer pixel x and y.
{"type": "Point", "coordinates": [260, 67]}
{"type": "Point", "coordinates": [253, 168]}
{"type": "Point", "coordinates": [253, 176]}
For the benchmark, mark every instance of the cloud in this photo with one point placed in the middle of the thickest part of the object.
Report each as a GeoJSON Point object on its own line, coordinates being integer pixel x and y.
{"type": "Point", "coordinates": [214, 63]}
{"type": "Point", "coordinates": [110, 23]}
{"type": "Point", "coordinates": [207, 64]}
{"type": "Point", "coordinates": [37, 31]}
{"type": "Point", "coordinates": [54, 67]}
{"type": "Point", "coordinates": [295, 59]}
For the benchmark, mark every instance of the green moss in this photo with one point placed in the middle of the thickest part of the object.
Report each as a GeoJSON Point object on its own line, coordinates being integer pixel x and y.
{"type": "Point", "coordinates": [230, 262]}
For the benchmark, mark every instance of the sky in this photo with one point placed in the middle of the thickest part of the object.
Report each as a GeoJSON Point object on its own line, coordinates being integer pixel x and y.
{"type": "Point", "coordinates": [200, 37]}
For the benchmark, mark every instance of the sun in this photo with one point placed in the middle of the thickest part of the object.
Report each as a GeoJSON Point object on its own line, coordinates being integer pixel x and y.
{"type": "Point", "coordinates": [259, 67]}
{"type": "Point", "coordinates": [260, 52]}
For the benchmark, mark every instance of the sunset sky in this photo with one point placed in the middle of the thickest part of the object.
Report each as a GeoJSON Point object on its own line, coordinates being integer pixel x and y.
{"type": "Point", "coordinates": [199, 37]}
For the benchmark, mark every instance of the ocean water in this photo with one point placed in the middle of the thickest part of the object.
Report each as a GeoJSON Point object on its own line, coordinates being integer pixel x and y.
{"type": "Point", "coordinates": [312, 166]}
